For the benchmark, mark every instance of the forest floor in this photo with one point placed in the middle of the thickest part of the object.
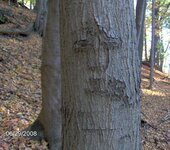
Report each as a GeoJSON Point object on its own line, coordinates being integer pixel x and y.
{"type": "Point", "coordinates": [155, 111]}
{"type": "Point", "coordinates": [20, 89]}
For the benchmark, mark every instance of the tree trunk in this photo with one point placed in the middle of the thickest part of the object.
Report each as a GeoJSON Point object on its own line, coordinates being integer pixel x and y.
{"type": "Point", "coordinates": [41, 18]}
{"type": "Point", "coordinates": [36, 6]}
{"type": "Point", "coordinates": [100, 75]}
{"type": "Point", "coordinates": [162, 56]}
{"type": "Point", "coordinates": [152, 53]}
{"type": "Point", "coordinates": [50, 116]}
{"type": "Point", "coordinates": [140, 19]}
{"type": "Point", "coordinates": [157, 37]}
{"type": "Point", "coordinates": [30, 4]}
{"type": "Point", "coordinates": [146, 53]}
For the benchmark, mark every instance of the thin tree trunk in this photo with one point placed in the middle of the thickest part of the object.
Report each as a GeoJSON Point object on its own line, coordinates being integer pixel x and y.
{"type": "Point", "coordinates": [157, 47]}
{"type": "Point", "coordinates": [140, 19]}
{"type": "Point", "coordinates": [49, 124]}
{"type": "Point", "coordinates": [161, 64]}
{"type": "Point", "coordinates": [50, 116]}
{"type": "Point", "coordinates": [157, 37]}
{"type": "Point", "coordinates": [146, 53]}
{"type": "Point", "coordinates": [41, 18]}
{"type": "Point", "coordinates": [30, 4]}
{"type": "Point", "coordinates": [152, 54]}
{"type": "Point", "coordinates": [100, 75]}
{"type": "Point", "coordinates": [36, 6]}
{"type": "Point", "coordinates": [162, 55]}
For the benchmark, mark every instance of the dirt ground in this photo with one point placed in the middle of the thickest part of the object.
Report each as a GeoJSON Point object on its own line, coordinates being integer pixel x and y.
{"type": "Point", "coordinates": [20, 89]}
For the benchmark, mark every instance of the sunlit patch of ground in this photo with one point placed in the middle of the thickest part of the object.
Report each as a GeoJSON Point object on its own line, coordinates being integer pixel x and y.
{"type": "Point", "coordinates": [153, 93]}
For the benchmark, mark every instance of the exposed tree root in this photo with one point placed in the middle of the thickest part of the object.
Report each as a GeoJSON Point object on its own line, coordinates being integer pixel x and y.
{"type": "Point", "coordinates": [38, 128]}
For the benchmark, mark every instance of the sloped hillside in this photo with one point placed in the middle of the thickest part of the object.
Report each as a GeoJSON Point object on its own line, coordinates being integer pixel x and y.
{"type": "Point", "coordinates": [155, 111]}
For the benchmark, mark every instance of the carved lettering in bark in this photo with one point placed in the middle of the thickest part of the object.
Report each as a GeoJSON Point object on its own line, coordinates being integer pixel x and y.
{"type": "Point", "coordinates": [82, 46]}
{"type": "Point", "coordinates": [112, 87]}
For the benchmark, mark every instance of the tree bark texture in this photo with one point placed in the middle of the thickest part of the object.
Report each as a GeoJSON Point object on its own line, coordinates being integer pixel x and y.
{"type": "Point", "coordinates": [41, 18]}
{"type": "Point", "coordinates": [50, 116]}
{"type": "Point", "coordinates": [100, 75]}
{"type": "Point", "coordinates": [140, 19]}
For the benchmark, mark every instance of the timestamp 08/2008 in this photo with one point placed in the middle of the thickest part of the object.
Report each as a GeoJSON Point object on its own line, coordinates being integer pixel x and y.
{"type": "Point", "coordinates": [20, 133]}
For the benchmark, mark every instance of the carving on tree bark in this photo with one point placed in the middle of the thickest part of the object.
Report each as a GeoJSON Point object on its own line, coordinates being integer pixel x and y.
{"type": "Point", "coordinates": [100, 74]}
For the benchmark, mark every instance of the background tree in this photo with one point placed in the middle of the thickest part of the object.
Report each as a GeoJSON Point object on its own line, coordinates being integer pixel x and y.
{"type": "Point", "coordinates": [162, 19]}
{"type": "Point", "coordinates": [48, 125]}
{"type": "Point", "coordinates": [40, 22]}
{"type": "Point", "coordinates": [161, 10]}
{"type": "Point", "coordinates": [140, 19]}
{"type": "Point", "coordinates": [152, 53]}
{"type": "Point", "coordinates": [145, 41]}
{"type": "Point", "coordinates": [50, 116]}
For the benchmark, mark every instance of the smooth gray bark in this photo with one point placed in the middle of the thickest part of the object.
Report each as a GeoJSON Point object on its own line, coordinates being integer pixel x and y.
{"type": "Point", "coordinates": [100, 75]}
{"type": "Point", "coordinates": [50, 116]}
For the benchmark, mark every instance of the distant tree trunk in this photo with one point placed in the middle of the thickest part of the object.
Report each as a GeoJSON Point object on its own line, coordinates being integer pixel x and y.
{"type": "Point", "coordinates": [146, 53]}
{"type": "Point", "coordinates": [30, 4]}
{"type": "Point", "coordinates": [140, 19]}
{"type": "Point", "coordinates": [152, 53]}
{"type": "Point", "coordinates": [36, 6]}
{"type": "Point", "coordinates": [158, 46]}
{"type": "Point", "coordinates": [41, 18]}
{"type": "Point", "coordinates": [162, 55]}
{"type": "Point", "coordinates": [161, 63]}
{"type": "Point", "coordinates": [169, 71]}
{"type": "Point", "coordinates": [100, 75]}
{"type": "Point", "coordinates": [157, 37]}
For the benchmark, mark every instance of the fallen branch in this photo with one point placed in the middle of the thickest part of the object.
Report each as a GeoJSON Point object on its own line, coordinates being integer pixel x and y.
{"type": "Point", "coordinates": [166, 118]}
{"type": "Point", "coordinates": [21, 32]}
